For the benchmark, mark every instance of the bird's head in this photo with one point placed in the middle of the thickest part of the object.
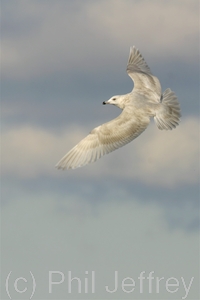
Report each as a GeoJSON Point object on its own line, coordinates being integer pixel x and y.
{"type": "Point", "coordinates": [119, 101]}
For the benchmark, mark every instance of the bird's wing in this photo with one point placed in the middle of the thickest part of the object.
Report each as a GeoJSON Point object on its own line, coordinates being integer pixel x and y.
{"type": "Point", "coordinates": [104, 139]}
{"type": "Point", "coordinates": [141, 75]}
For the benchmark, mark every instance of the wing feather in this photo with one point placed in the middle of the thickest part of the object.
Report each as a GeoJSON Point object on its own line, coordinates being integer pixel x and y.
{"type": "Point", "coordinates": [140, 73]}
{"type": "Point", "coordinates": [136, 63]}
{"type": "Point", "coordinates": [104, 139]}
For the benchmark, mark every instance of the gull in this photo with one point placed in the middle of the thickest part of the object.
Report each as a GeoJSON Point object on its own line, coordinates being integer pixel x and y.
{"type": "Point", "coordinates": [144, 101]}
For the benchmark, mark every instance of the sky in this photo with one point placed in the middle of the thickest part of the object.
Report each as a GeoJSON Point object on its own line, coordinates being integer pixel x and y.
{"type": "Point", "coordinates": [135, 212]}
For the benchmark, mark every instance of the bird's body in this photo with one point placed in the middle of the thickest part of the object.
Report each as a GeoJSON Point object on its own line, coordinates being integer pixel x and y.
{"type": "Point", "coordinates": [146, 100]}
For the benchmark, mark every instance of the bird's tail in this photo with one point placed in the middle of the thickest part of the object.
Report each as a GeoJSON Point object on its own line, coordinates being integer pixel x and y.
{"type": "Point", "coordinates": [168, 114]}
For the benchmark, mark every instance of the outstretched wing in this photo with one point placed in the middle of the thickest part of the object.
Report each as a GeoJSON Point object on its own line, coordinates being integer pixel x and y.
{"type": "Point", "coordinates": [104, 139]}
{"type": "Point", "coordinates": [141, 74]}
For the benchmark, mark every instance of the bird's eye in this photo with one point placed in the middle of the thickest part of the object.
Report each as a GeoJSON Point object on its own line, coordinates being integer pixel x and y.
{"type": "Point", "coordinates": [114, 98]}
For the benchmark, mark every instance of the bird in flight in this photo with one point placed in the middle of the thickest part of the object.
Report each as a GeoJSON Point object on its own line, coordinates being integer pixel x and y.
{"type": "Point", "coordinates": [144, 101]}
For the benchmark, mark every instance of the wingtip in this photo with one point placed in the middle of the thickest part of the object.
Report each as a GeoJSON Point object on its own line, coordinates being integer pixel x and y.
{"type": "Point", "coordinates": [132, 48]}
{"type": "Point", "coordinates": [133, 51]}
{"type": "Point", "coordinates": [58, 167]}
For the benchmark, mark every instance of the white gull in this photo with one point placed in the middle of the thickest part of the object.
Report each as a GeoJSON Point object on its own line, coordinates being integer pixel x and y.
{"type": "Point", "coordinates": [146, 100]}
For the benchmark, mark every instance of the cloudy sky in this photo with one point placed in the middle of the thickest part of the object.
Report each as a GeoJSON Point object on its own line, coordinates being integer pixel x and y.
{"type": "Point", "coordinates": [135, 210]}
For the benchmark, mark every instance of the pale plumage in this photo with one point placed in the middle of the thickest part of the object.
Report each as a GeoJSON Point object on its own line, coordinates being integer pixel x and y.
{"type": "Point", "coordinates": [146, 100]}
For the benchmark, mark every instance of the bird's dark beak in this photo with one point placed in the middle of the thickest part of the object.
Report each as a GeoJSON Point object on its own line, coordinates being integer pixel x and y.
{"type": "Point", "coordinates": [104, 103]}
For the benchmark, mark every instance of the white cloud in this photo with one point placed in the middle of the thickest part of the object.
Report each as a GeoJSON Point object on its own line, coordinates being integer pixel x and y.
{"type": "Point", "coordinates": [156, 157]}
{"type": "Point", "coordinates": [29, 152]}
{"type": "Point", "coordinates": [64, 37]}
{"type": "Point", "coordinates": [171, 158]}
{"type": "Point", "coordinates": [114, 235]}
{"type": "Point", "coordinates": [149, 22]}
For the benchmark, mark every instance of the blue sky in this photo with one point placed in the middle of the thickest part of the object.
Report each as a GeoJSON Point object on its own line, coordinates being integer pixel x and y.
{"type": "Point", "coordinates": [134, 210]}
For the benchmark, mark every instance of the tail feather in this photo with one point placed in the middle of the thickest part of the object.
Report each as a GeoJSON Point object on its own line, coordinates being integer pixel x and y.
{"type": "Point", "coordinates": [168, 115]}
